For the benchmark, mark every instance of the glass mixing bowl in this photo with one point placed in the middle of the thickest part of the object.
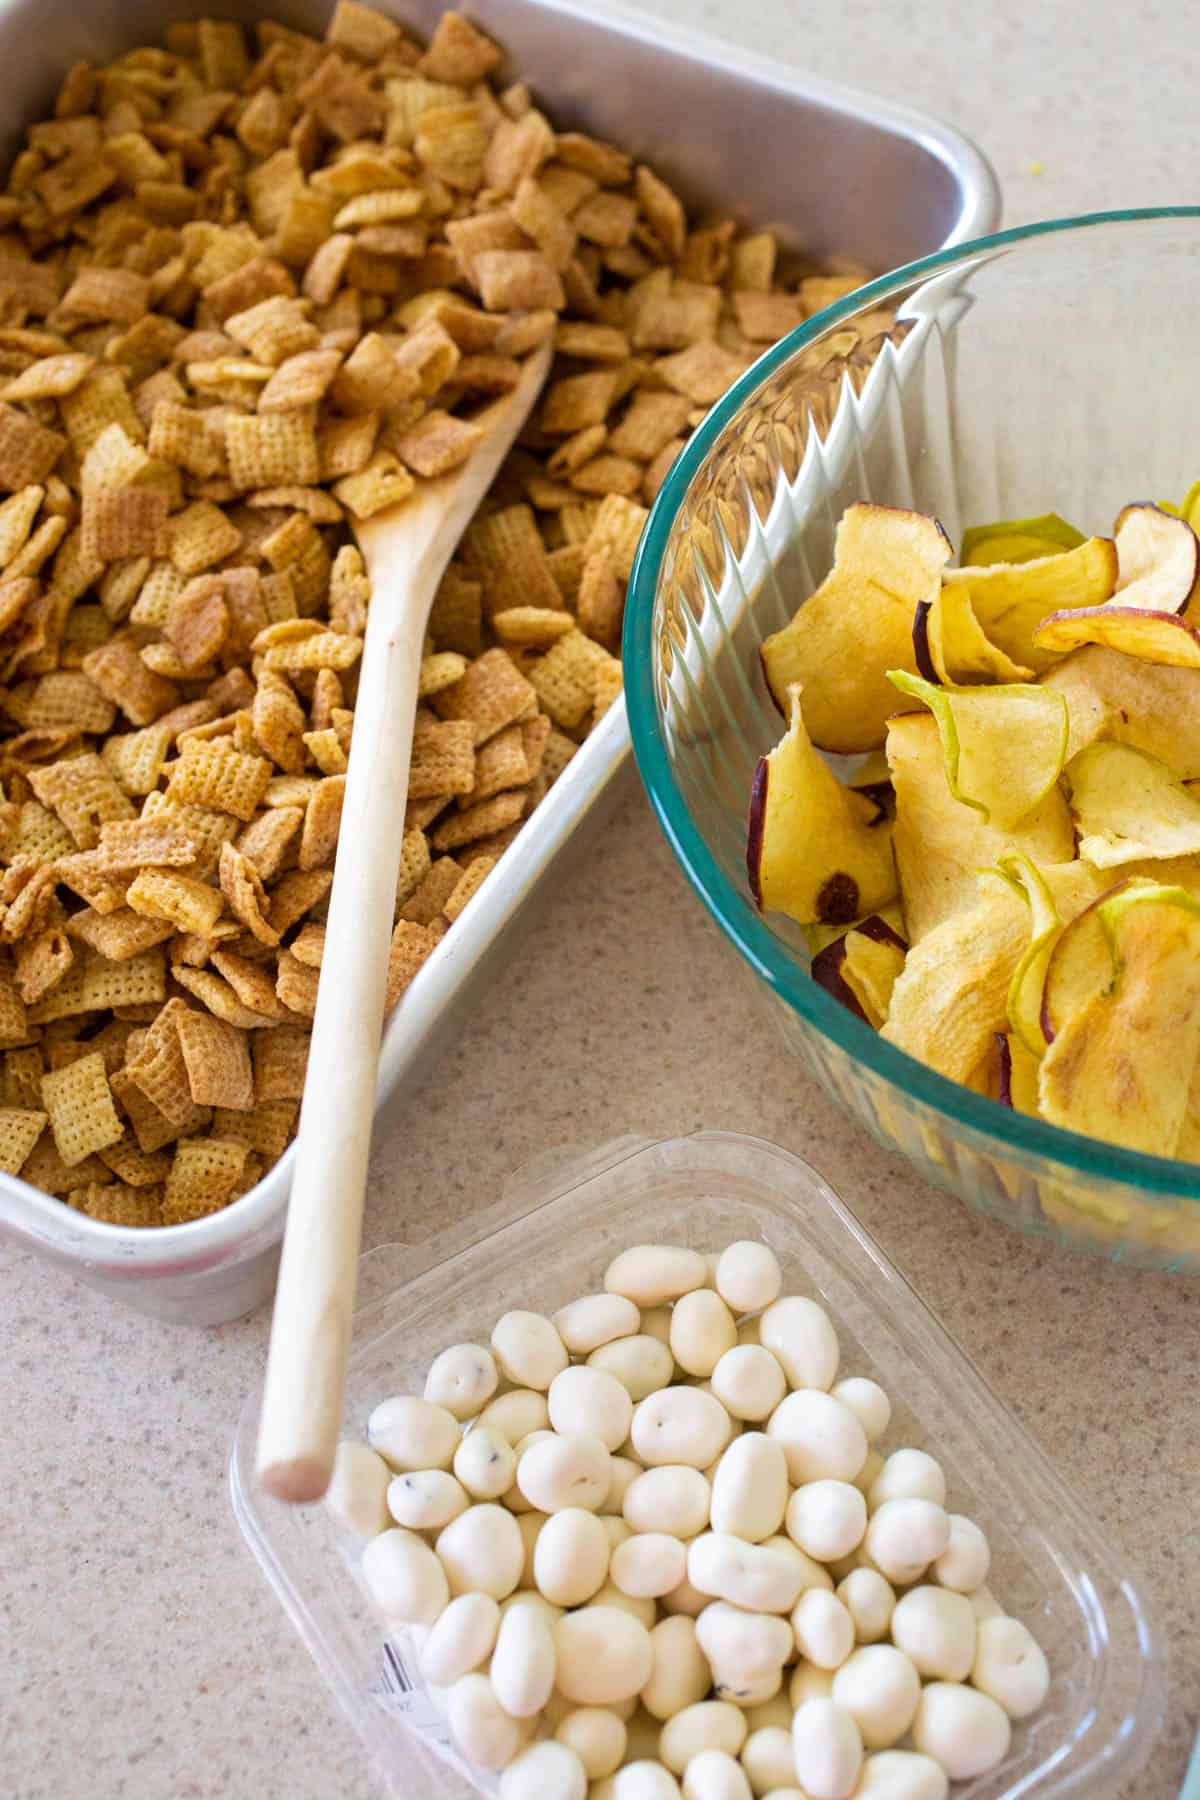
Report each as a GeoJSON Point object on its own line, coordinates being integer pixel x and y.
{"type": "Point", "coordinates": [1041, 368]}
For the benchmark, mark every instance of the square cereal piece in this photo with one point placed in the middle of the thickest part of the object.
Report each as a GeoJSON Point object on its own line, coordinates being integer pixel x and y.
{"type": "Point", "coordinates": [340, 98]}
{"type": "Point", "coordinates": [98, 295]}
{"type": "Point", "coordinates": [456, 617]}
{"type": "Point", "coordinates": [217, 1059]}
{"type": "Point", "coordinates": [83, 794]}
{"type": "Point", "coordinates": [295, 645]}
{"type": "Point", "coordinates": [752, 263]}
{"type": "Point", "coordinates": [459, 53]}
{"type": "Point", "coordinates": [14, 1020]}
{"type": "Point", "coordinates": [608, 474]}
{"type": "Point", "coordinates": [135, 1167]}
{"type": "Point", "coordinates": [121, 675]}
{"type": "Point", "coordinates": [545, 222]}
{"type": "Point", "coordinates": [606, 164]}
{"type": "Point", "coordinates": [247, 898]}
{"type": "Point", "coordinates": [17, 514]}
{"type": "Point", "coordinates": [22, 1085]}
{"type": "Point", "coordinates": [479, 821]}
{"type": "Point", "coordinates": [151, 1128]}
{"type": "Point", "coordinates": [20, 1129]}
{"type": "Point", "coordinates": [439, 670]}
{"type": "Point", "coordinates": [438, 443]}
{"type": "Point", "coordinates": [578, 401]}
{"type": "Point", "coordinates": [308, 946]}
{"type": "Point", "coordinates": [204, 1178]}
{"type": "Point", "coordinates": [302, 380]}
{"type": "Point", "coordinates": [296, 985]}
{"type": "Point", "coordinates": [764, 318]}
{"type": "Point", "coordinates": [119, 935]}
{"type": "Point", "coordinates": [49, 378]}
{"type": "Point", "coordinates": [280, 1059]}
{"type": "Point", "coordinates": [470, 882]}
{"type": "Point", "coordinates": [65, 700]}
{"type": "Point", "coordinates": [119, 522]}
{"type": "Point", "coordinates": [116, 1203]}
{"type": "Point", "coordinates": [414, 864]}
{"type": "Point", "coordinates": [443, 758]}
{"type": "Point", "coordinates": [426, 901]}
{"type": "Point", "coordinates": [702, 372]}
{"type": "Point", "coordinates": [650, 422]}
{"type": "Point", "coordinates": [28, 451]}
{"type": "Point", "coordinates": [518, 281]}
{"type": "Point", "coordinates": [344, 446]}
{"type": "Point", "coordinates": [562, 680]}
{"type": "Point", "coordinates": [295, 894]}
{"type": "Point", "coordinates": [200, 536]}
{"type": "Point", "coordinates": [322, 818]}
{"type": "Point", "coordinates": [501, 763]}
{"type": "Point", "coordinates": [600, 604]}
{"type": "Point", "coordinates": [130, 844]}
{"type": "Point", "coordinates": [362, 31]}
{"type": "Point", "coordinates": [379, 484]}
{"type": "Point", "coordinates": [189, 904]}
{"type": "Point", "coordinates": [518, 148]}
{"type": "Point", "coordinates": [557, 754]}
{"type": "Point", "coordinates": [505, 549]}
{"type": "Point", "coordinates": [662, 210]}
{"type": "Point", "coordinates": [372, 378]}
{"type": "Point", "coordinates": [326, 751]}
{"type": "Point", "coordinates": [216, 776]}
{"type": "Point", "coordinates": [531, 626]}
{"type": "Point", "coordinates": [181, 435]}
{"type": "Point", "coordinates": [490, 695]}
{"type": "Point", "coordinates": [78, 1101]}
{"type": "Point", "coordinates": [615, 527]}
{"type": "Point", "coordinates": [271, 450]}
{"type": "Point", "coordinates": [267, 840]}
{"type": "Point", "coordinates": [607, 687]}
{"type": "Point", "coordinates": [412, 945]}
{"type": "Point", "coordinates": [135, 759]}
{"type": "Point", "coordinates": [158, 1069]}
{"type": "Point", "coordinates": [222, 999]}
{"type": "Point", "coordinates": [267, 1128]}
{"type": "Point", "coordinates": [534, 735]}
{"type": "Point", "coordinates": [274, 330]}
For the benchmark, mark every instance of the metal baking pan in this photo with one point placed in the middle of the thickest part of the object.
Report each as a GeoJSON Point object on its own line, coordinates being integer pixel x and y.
{"type": "Point", "coordinates": [829, 169]}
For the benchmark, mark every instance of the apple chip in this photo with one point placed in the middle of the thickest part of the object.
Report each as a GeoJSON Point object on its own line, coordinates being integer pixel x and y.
{"type": "Point", "coordinates": [950, 645]}
{"type": "Point", "coordinates": [1147, 705]}
{"type": "Point", "coordinates": [1017, 540]}
{"type": "Point", "coordinates": [1158, 559]}
{"type": "Point", "coordinates": [860, 968]}
{"type": "Point", "coordinates": [815, 849]}
{"type": "Point", "coordinates": [1010, 600]}
{"type": "Point", "coordinates": [858, 625]}
{"type": "Point", "coordinates": [1017, 1073]}
{"type": "Point", "coordinates": [1120, 1067]}
{"type": "Point", "coordinates": [1156, 637]}
{"type": "Point", "coordinates": [939, 843]}
{"type": "Point", "coordinates": [1004, 746]}
{"type": "Point", "coordinates": [1128, 806]}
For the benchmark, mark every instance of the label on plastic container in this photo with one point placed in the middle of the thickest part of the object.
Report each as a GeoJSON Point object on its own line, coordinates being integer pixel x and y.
{"type": "Point", "coordinates": [399, 1688]}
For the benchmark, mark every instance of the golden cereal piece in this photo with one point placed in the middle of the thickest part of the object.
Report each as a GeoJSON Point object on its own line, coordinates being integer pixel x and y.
{"type": "Point", "coordinates": [78, 1102]}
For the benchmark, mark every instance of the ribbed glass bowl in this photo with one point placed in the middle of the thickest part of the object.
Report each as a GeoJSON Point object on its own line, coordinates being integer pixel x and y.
{"type": "Point", "coordinates": [1051, 367]}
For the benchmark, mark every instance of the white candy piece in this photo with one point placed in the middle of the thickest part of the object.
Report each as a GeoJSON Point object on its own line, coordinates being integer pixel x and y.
{"type": "Point", "coordinates": [642, 1364]}
{"type": "Point", "coordinates": [593, 1320]}
{"type": "Point", "coordinates": [964, 1563]}
{"type": "Point", "coordinates": [747, 1695]}
{"type": "Point", "coordinates": [485, 1463]}
{"type": "Point", "coordinates": [411, 1434]}
{"type": "Point", "coordinates": [902, 1775]}
{"type": "Point", "coordinates": [870, 1600]}
{"type": "Point", "coordinates": [644, 1611]}
{"type": "Point", "coordinates": [757, 1577]}
{"type": "Point", "coordinates": [357, 1491]}
{"type": "Point", "coordinates": [904, 1537]}
{"type": "Point", "coordinates": [748, 1276]}
{"type": "Point", "coordinates": [481, 1728]}
{"type": "Point", "coordinates": [821, 1438]}
{"type": "Point", "coordinates": [749, 1382]}
{"type": "Point", "coordinates": [591, 1400]}
{"type": "Point", "coordinates": [656, 1323]}
{"type": "Point", "coordinates": [702, 1330]}
{"type": "Point", "coordinates": [604, 1655]}
{"type": "Point", "coordinates": [597, 1736]}
{"type": "Point", "coordinates": [463, 1638]}
{"type": "Point", "coordinates": [750, 1488]}
{"type": "Point", "coordinates": [680, 1425]}
{"type": "Point", "coordinates": [767, 1758]}
{"type": "Point", "coordinates": [649, 1565]}
{"type": "Point", "coordinates": [623, 1472]}
{"type": "Point", "coordinates": [482, 1551]}
{"type": "Point", "coordinates": [868, 1402]}
{"type": "Point", "coordinates": [937, 1629]}
{"type": "Point", "coordinates": [827, 1519]}
{"type": "Point", "coordinates": [714, 1775]}
{"type": "Point", "coordinates": [571, 1556]}
{"type": "Point", "coordinates": [524, 1662]}
{"type": "Point", "coordinates": [462, 1379]}
{"type": "Point", "coordinates": [743, 1649]}
{"type": "Point", "coordinates": [908, 1475]}
{"type": "Point", "coordinates": [827, 1749]}
{"type": "Point", "coordinates": [404, 1578]}
{"type": "Point", "coordinates": [879, 1688]}
{"type": "Point", "coordinates": [643, 1781]}
{"type": "Point", "coordinates": [680, 1675]}
{"type": "Point", "coordinates": [616, 1531]}
{"type": "Point", "coordinates": [800, 1334]}
{"type": "Point", "coordinates": [567, 1470]}
{"type": "Point", "coordinates": [1010, 1666]}
{"type": "Point", "coordinates": [824, 1629]}
{"type": "Point", "coordinates": [673, 1499]}
{"type": "Point", "coordinates": [546, 1771]}
{"type": "Point", "coordinates": [426, 1499]}
{"type": "Point", "coordinates": [985, 1605]}
{"type": "Point", "coordinates": [537, 1602]}
{"type": "Point", "coordinates": [516, 1414]}
{"type": "Point", "coordinates": [528, 1349]}
{"type": "Point", "coordinates": [652, 1274]}
{"type": "Point", "coordinates": [965, 1731]}
{"type": "Point", "coordinates": [809, 1683]}
{"type": "Point", "coordinates": [710, 1725]}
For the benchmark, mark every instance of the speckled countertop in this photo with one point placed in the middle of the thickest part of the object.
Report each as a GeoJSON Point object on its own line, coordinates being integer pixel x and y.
{"type": "Point", "coordinates": [142, 1655]}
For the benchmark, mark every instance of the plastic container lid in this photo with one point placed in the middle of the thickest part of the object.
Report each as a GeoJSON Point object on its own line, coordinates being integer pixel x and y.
{"type": "Point", "coordinates": [548, 1239]}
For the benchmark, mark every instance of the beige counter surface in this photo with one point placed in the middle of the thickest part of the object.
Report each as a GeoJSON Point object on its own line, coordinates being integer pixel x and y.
{"type": "Point", "coordinates": [141, 1654]}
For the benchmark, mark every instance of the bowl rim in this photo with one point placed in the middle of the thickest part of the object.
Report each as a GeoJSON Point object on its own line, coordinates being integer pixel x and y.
{"type": "Point", "coordinates": [1173, 1181]}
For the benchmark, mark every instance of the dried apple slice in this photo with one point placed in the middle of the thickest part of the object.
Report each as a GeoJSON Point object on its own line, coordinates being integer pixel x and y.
{"type": "Point", "coordinates": [1023, 1001]}
{"type": "Point", "coordinates": [1080, 960]}
{"type": "Point", "coordinates": [1128, 806]}
{"type": "Point", "coordinates": [939, 843]}
{"type": "Point", "coordinates": [1010, 600]}
{"type": "Point", "coordinates": [1018, 1074]}
{"type": "Point", "coordinates": [1017, 541]}
{"type": "Point", "coordinates": [1158, 559]}
{"type": "Point", "coordinates": [1004, 746]}
{"type": "Point", "coordinates": [1155, 637]}
{"type": "Point", "coordinates": [1147, 705]}
{"type": "Point", "coordinates": [860, 969]}
{"type": "Point", "coordinates": [1120, 1067]}
{"type": "Point", "coordinates": [812, 848]}
{"type": "Point", "coordinates": [858, 625]}
{"type": "Point", "coordinates": [950, 645]}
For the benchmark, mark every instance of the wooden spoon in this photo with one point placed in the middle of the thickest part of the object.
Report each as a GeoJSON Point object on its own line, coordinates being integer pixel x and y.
{"type": "Point", "coordinates": [406, 550]}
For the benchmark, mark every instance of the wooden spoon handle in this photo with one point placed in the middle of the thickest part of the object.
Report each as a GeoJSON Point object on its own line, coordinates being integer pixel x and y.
{"type": "Point", "coordinates": [310, 1334]}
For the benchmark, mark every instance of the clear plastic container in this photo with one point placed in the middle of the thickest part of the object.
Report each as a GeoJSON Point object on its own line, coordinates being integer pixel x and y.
{"type": "Point", "coordinates": [549, 1239]}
